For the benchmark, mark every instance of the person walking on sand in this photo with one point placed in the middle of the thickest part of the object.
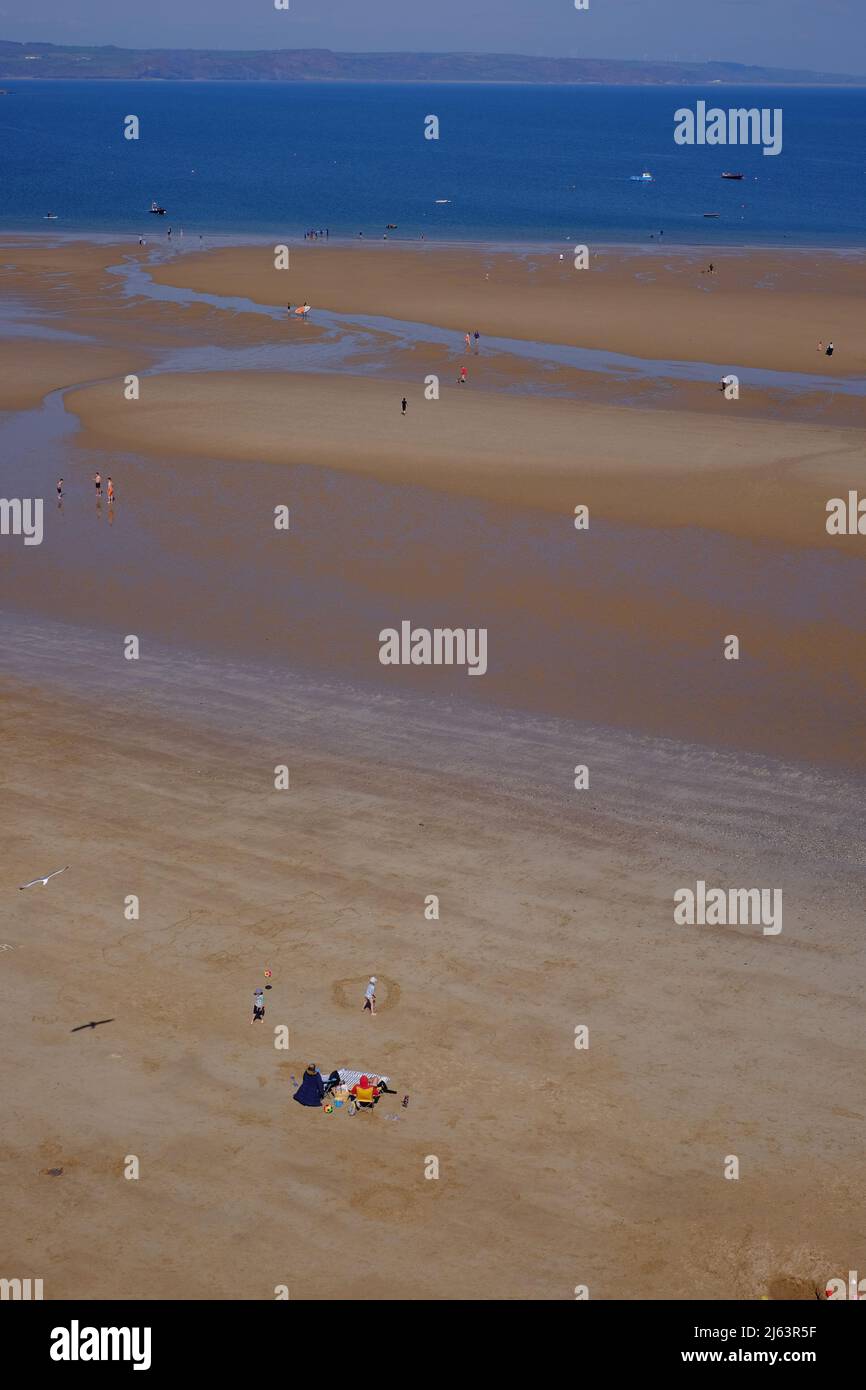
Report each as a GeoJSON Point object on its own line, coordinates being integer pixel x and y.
{"type": "Point", "coordinates": [60, 489]}
{"type": "Point", "coordinates": [370, 997]}
{"type": "Point", "coordinates": [829, 349]}
{"type": "Point", "coordinates": [97, 483]}
{"type": "Point", "coordinates": [461, 380]}
{"type": "Point", "coordinates": [110, 490]}
{"type": "Point", "coordinates": [403, 405]}
{"type": "Point", "coordinates": [258, 1006]}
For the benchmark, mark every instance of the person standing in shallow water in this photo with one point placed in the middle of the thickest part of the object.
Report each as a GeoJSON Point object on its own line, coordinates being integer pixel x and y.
{"type": "Point", "coordinates": [97, 483]}
{"type": "Point", "coordinates": [403, 405]}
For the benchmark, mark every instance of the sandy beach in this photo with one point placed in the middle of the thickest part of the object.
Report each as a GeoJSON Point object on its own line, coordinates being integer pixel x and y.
{"type": "Point", "coordinates": [760, 308]}
{"type": "Point", "coordinates": [154, 777]}
{"type": "Point", "coordinates": [555, 912]}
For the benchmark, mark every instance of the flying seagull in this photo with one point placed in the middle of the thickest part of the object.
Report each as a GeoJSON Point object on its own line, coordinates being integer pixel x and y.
{"type": "Point", "coordinates": [43, 881]}
{"type": "Point", "coordinates": [91, 1025]}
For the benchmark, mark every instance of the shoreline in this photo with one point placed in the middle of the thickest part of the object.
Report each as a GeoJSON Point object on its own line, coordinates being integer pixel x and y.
{"type": "Point", "coordinates": [222, 239]}
{"type": "Point", "coordinates": [177, 677]}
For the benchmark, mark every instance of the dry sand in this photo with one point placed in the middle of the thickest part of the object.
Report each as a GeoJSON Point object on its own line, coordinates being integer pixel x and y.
{"type": "Point", "coordinates": [557, 1166]}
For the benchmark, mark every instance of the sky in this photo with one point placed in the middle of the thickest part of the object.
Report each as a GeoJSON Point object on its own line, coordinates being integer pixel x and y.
{"type": "Point", "coordinates": [823, 34]}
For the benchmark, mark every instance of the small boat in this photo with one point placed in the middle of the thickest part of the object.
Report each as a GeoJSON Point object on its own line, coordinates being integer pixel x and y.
{"type": "Point", "coordinates": [732, 176]}
{"type": "Point", "coordinates": [443, 200]}
{"type": "Point", "coordinates": [390, 226]}
{"type": "Point", "coordinates": [50, 217]}
{"type": "Point", "coordinates": [711, 214]}
{"type": "Point", "coordinates": [645, 177]}
{"type": "Point", "coordinates": [156, 210]}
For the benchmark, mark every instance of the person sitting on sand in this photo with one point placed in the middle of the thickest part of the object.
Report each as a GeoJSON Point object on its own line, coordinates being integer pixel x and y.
{"type": "Point", "coordinates": [829, 349]}
{"type": "Point", "coordinates": [382, 1085]}
{"type": "Point", "coordinates": [312, 1087]}
{"type": "Point", "coordinates": [364, 1093]}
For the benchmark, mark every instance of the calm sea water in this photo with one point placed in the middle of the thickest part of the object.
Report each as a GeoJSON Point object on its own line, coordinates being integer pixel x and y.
{"type": "Point", "coordinates": [517, 163]}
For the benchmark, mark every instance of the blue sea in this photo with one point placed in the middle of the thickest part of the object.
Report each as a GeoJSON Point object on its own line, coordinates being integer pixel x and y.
{"type": "Point", "coordinates": [517, 164]}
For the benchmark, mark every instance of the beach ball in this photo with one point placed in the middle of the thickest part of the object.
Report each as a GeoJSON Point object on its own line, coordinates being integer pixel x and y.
{"type": "Point", "coordinates": [328, 1109]}
{"type": "Point", "coordinates": [268, 974]}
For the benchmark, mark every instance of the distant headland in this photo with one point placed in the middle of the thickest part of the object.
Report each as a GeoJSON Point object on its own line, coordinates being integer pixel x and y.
{"type": "Point", "coordinates": [41, 60]}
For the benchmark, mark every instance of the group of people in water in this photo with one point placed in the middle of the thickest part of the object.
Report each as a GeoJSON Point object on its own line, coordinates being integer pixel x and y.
{"type": "Point", "coordinates": [97, 483]}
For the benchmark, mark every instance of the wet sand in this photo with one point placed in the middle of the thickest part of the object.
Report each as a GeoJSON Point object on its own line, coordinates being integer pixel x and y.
{"type": "Point", "coordinates": [29, 369]}
{"type": "Point", "coordinates": [761, 308]}
{"type": "Point", "coordinates": [769, 482]}
{"type": "Point", "coordinates": [259, 649]}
